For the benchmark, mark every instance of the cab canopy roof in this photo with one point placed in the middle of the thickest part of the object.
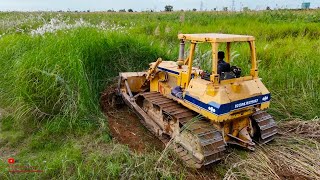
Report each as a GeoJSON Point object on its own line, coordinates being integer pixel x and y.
{"type": "Point", "coordinates": [214, 37]}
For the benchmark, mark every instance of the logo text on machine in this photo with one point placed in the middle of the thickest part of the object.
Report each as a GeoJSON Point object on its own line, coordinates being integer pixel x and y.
{"type": "Point", "coordinates": [247, 103]}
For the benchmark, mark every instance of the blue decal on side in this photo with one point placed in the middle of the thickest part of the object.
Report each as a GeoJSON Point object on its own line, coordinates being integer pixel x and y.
{"type": "Point", "coordinates": [168, 70]}
{"type": "Point", "coordinates": [220, 109]}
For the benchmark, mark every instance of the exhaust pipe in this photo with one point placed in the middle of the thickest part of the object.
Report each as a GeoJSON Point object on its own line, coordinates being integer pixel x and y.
{"type": "Point", "coordinates": [181, 52]}
{"type": "Point", "coordinates": [180, 61]}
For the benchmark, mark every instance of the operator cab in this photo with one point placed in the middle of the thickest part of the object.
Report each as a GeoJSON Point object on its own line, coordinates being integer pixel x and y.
{"type": "Point", "coordinates": [224, 69]}
{"type": "Point", "coordinates": [221, 68]}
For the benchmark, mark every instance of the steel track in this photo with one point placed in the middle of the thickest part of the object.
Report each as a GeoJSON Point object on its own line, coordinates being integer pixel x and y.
{"type": "Point", "coordinates": [210, 139]}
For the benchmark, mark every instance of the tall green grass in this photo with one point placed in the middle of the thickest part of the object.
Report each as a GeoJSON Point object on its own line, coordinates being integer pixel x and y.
{"type": "Point", "coordinates": [50, 85]}
{"type": "Point", "coordinates": [60, 77]}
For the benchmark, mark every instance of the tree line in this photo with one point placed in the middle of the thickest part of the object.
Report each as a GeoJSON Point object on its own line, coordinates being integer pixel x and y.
{"type": "Point", "coordinates": [168, 8]}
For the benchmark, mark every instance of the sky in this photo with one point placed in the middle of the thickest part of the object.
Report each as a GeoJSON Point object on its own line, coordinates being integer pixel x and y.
{"type": "Point", "coordinates": [139, 5]}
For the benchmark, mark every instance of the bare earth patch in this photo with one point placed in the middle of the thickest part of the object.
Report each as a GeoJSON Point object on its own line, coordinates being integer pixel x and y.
{"type": "Point", "coordinates": [295, 154]}
{"type": "Point", "coordinates": [125, 127]}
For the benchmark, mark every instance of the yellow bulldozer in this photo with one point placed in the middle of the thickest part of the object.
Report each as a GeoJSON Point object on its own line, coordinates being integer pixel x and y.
{"type": "Point", "coordinates": [201, 112]}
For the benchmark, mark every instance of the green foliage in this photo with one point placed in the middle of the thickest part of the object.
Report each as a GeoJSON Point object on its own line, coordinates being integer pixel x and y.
{"type": "Point", "coordinates": [68, 161]}
{"type": "Point", "coordinates": [61, 76]}
{"type": "Point", "coordinates": [51, 84]}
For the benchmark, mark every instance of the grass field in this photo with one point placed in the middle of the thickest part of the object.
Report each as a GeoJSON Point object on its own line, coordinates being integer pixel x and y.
{"type": "Point", "coordinates": [55, 67]}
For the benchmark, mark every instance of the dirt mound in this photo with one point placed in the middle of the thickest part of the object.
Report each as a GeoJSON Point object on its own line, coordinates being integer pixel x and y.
{"type": "Point", "coordinates": [125, 126]}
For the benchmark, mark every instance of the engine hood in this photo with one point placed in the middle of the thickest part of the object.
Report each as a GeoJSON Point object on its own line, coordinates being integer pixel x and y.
{"type": "Point", "coordinates": [224, 98]}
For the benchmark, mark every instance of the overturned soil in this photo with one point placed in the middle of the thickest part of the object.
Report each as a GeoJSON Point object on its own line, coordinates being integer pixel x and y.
{"type": "Point", "coordinates": [274, 158]}
{"type": "Point", "coordinates": [126, 128]}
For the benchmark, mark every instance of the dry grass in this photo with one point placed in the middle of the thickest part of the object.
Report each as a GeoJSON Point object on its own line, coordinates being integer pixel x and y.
{"type": "Point", "coordinates": [307, 129]}
{"type": "Point", "coordinates": [294, 155]}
